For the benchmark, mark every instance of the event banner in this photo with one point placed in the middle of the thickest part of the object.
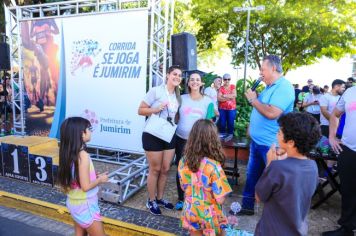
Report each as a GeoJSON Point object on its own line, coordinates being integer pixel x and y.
{"type": "Point", "coordinates": [101, 68]}
{"type": "Point", "coordinates": [106, 75]}
{"type": "Point", "coordinates": [41, 63]}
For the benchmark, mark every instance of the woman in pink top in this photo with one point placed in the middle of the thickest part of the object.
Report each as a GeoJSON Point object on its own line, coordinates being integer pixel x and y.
{"type": "Point", "coordinates": [227, 105]}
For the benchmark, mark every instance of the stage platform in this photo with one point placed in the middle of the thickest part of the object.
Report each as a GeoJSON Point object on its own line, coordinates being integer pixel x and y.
{"type": "Point", "coordinates": [32, 142]}
{"type": "Point", "coordinates": [35, 159]}
{"type": "Point", "coordinates": [29, 158]}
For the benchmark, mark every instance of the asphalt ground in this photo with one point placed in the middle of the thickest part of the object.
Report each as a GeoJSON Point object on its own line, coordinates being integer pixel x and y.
{"type": "Point", "coordinates": [14, 222]}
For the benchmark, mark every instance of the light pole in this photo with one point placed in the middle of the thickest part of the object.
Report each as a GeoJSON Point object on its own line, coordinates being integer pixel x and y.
{"type": "Point", "coordinates": [237, 68]}
{"type": "Point", "coordinates": [248, 9]}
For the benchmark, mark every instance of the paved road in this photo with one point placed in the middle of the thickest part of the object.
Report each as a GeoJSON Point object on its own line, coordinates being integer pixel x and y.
{"type": "Point", "coordinates": [13, 227]}
{"type": "Point", "coordinates": [18, 223]}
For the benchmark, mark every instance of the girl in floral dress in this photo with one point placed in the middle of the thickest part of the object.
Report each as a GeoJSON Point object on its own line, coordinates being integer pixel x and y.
{"type": "Point", "coordinates": [204, 182]}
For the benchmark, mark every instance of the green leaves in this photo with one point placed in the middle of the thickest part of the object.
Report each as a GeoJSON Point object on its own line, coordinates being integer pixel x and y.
{"type": "Point", "coordinates": [208, 79]}
{"type": "Point", "coordinates": [300, 31]}
{"type": "Point", "coordinates": [243, 108]}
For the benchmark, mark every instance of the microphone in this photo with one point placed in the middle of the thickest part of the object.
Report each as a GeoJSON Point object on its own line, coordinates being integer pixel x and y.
{"type": "Point", "coordinates": [255, 85]}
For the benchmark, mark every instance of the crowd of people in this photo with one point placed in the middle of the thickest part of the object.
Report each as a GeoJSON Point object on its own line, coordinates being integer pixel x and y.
{"type": "Point", "coordinates": [7, 90]}
{"type": "Point", "coordinates": [279, 172]}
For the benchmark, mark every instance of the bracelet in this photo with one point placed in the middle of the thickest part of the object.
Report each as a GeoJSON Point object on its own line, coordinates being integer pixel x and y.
{"type": "Point", "coordinates": [250, 100]}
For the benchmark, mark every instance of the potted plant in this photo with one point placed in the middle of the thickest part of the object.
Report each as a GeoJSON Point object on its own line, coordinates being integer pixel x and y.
{"type": "Point", "coordinates": [243, 112]}
{"type": "Point", "coordinates": [243, 108]}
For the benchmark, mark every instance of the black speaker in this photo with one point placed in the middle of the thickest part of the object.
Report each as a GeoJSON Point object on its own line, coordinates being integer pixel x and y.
{"type": "Point", "coordinates": [184, 51]}
{"type": "Point", "coordinates": [4, 56]}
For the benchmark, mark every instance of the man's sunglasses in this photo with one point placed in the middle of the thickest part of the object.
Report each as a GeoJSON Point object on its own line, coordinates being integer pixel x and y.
{"type": "Point", "coordinates": [226, 79]}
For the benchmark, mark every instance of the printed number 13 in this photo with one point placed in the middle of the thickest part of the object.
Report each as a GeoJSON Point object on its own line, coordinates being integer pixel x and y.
{"type": "Point", "coordinates": [16, 161]}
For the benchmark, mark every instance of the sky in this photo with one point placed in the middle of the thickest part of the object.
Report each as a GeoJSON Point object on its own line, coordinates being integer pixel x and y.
{"type": "Point", "coordinates": [322, 73]}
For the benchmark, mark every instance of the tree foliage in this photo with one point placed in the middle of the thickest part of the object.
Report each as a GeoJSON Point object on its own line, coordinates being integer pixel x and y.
{"type": "Point", "coordinates": [185, 22]}
{"type": "Point", "coordinates": [19, 3]}
{"type": "Point", "coordinates": [300, 31]}
{"type": "Point", "coordinates": [243, 107]}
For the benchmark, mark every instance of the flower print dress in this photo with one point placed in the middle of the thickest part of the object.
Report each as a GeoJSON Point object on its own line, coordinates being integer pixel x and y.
{"type": "Point", "coordinates": [201, 210]}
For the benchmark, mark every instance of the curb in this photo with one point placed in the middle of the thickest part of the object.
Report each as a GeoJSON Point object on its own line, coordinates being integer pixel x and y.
{"type": "Point", "coordinates": [61, 213]}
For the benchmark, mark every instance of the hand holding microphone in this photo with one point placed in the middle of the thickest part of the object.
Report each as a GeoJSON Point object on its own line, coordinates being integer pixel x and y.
{"type": "Point", "coordinates": [250, 94]}
{"type": "Point", "coordinates": [255, 85]}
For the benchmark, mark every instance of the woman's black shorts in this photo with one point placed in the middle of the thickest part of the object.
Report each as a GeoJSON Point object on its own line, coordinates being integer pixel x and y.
{"type": "Point", "coordinates": [152, 143]}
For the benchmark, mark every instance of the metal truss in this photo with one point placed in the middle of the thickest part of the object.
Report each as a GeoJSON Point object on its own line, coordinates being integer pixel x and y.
{"type": "Point", "coordinates": [125, 181]}
{"type": "Point", "coordinates": [16, 14]}
{"type": "Point", "coordinates": [162, 16]}
{"type": "Point", "coordinates": [77, 7]}
{"type": "Point", "coordinates": [13, 33]}
{"type": "Point", "coordinates": [109, 155]}
{"type": "Point", "coordinates": [132, 175]}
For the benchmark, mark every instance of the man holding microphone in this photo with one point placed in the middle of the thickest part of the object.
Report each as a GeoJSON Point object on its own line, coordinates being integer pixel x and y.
{"type": "Point", "coordinates": [276, 99]}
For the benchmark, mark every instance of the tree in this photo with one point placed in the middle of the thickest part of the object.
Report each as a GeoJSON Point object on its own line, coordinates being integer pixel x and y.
{"type": "Point", "coordinates": [185, 22]}
{"type": "Point", "coordinates": [299, 31]}
{"type": "Point", "coordinates": [7, 3]}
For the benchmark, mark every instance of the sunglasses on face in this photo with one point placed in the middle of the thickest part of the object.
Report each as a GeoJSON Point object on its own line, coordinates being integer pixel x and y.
{"type": "Point", "coordinates": [227, 79]}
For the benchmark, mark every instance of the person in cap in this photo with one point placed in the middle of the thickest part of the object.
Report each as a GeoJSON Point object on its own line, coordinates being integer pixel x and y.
{"type": "Point", "coordinates": [309, 83]}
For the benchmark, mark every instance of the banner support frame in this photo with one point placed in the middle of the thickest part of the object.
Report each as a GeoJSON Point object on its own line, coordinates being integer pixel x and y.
{"type": "Point", "coordinates": [160, 30]}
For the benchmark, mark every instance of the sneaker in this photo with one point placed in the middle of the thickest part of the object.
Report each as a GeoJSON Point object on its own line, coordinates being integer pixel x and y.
{"type": "Point", "coordinates": [245, 212]}
{"type": "Point", "coordinates": [229, 137]}
{"type": "Point", "coordinates": [153, 207]}
{"type": "Point", "coordinates": [179, 205]}
{"type": "Point", "coordinates": [165, 204]}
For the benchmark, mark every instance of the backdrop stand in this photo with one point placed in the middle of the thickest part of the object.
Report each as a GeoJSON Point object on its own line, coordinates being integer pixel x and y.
{"type": "Point", "coordinates": [132, 174]}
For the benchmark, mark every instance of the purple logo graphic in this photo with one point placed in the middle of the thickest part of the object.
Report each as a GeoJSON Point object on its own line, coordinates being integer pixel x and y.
{"type": "Point", "coordinates": [91, 116]}
{"type": "Point", "coordinates": [83, 52]}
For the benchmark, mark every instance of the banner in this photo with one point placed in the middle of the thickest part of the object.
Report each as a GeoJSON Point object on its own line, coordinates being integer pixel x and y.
{"type": "Point", "coordinates": [40, 52]}
{"type": "Point", "coordinates": [102, 76]}
{"type": "Point", "coordinates": [106, 75]}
